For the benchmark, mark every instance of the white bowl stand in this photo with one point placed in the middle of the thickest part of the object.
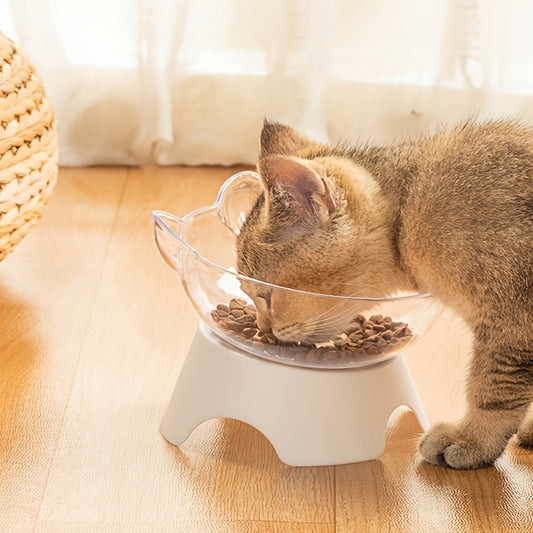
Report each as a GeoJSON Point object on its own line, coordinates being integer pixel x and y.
{"type": "Point", "coordinates": [312, 417]}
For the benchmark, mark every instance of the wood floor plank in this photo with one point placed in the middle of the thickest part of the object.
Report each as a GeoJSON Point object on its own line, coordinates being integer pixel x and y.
{"type": "Point", "coordinates": [111, 465]}
{"type": "Point", "coordinates": [47, 289]}
{"type": "Point", "coordinates": [399, 492]}
{"type": "Point", "coordinates": [198, 526]}
{"type": "Point", "coordinates": [95, 328]}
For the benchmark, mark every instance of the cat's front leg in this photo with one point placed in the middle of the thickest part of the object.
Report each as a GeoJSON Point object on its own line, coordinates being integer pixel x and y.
{"type": "Point", "coordinates": [525, 432]}
{"type": "Point", "coordinates": [499, 391]}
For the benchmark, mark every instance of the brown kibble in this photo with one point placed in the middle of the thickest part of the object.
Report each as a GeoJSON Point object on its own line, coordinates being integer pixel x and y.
{"type": "Point", "coordinates": [340, 343]}
{"type": "Point", "coordinates": [236, 313]}
{"type": "Point", "coordinates": [233, 325]}
{"type": "Point", "coordinates": [380, 342]}
{"type": "Point", "coordinates": [247, 319]}
{"type": "Point", "coordinates": [329, 356]}
{"type": "Point", "coordinates": [400, 331]}
{"type": "Point", "coordinates": [250, 310]}
{"type": "Point", "coordinates": [237, 303]}
{"type": "Point", "coordinates": [313, 356]}
{"type": "Point", "coordinates": [249, 332]}
{"type": "Point", "coordinates": [353, 328]}
{"type": "Point", "coordinates": [372, 350]}
{"type": "Point", "coordinates": [363, 337]}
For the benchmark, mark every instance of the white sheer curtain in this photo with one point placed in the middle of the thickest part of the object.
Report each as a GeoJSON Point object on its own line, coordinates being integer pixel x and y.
{"type": "Point", "coordinates": [189, 81]}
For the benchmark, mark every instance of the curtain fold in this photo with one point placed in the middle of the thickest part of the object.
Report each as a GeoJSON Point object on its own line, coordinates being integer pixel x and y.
{"type": "Point", "coordinates": [161, 35]}
{"type": "Point", "coordinates": [189, 81]}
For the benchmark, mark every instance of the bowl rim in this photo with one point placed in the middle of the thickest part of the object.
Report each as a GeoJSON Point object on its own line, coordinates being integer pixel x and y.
{"type": "Point", "coordinates": [159, 215]}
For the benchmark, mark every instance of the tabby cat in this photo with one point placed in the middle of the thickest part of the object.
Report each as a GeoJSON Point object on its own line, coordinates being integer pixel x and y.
{"type": "Point", "coordinates": [451, 214]}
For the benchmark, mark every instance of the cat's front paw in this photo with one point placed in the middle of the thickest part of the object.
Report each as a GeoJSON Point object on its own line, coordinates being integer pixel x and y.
{"type": "Point", "coordinates": [447, 445]}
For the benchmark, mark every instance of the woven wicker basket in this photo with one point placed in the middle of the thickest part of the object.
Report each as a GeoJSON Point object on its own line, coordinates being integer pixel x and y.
{"type": "Point", "coordinates": [28, 146]}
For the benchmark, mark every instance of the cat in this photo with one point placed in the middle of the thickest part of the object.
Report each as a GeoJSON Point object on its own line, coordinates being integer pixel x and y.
{"type": "Point", "coordinates": [450, 213]}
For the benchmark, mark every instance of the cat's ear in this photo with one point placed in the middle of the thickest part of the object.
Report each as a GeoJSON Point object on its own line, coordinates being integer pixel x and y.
{"type": "Point", "coordinates": [299, 189]}
{"type": "Point", "coordinates": [279, 139]}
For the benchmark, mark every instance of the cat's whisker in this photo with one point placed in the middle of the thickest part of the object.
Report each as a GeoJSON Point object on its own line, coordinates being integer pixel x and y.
{"type": "Point", "coordinates": [340, 312]}
{"type": "Point", "coordinates": [316, 328]}
{"type": "Point", "coordinates": [337, 308]}
{"type": "Point", "coordinates": [325, 323]}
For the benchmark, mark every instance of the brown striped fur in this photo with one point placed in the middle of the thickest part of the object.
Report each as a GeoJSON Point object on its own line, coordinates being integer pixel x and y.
{"type": "Point", "coordinates": [451, 213]}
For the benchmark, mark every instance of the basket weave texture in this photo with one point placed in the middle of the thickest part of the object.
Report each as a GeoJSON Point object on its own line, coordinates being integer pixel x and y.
{"type": "Point", "coordinates": [28, 146]}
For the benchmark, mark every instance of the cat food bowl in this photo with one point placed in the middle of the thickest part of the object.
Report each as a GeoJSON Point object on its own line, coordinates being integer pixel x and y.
{"type": "Point", "coordinates": [200, 247]}
{"type": "Point", "coordinates": [350, 364]}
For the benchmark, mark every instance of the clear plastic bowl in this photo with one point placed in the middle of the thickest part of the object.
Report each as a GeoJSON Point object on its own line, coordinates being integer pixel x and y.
{"type": "Point", "coordinates": [200, 247]}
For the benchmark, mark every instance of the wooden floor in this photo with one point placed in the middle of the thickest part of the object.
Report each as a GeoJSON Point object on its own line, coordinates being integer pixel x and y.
{"type": "Point", "coordinates": [94, 330]}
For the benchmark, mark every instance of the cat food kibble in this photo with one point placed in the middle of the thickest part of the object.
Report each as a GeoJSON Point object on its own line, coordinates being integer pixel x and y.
{"type": "Point", "coordinates": [364, 337]}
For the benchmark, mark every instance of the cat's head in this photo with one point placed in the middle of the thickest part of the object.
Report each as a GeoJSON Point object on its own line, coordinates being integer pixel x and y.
{"type": "Point", "coordinates": [319, 227]}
